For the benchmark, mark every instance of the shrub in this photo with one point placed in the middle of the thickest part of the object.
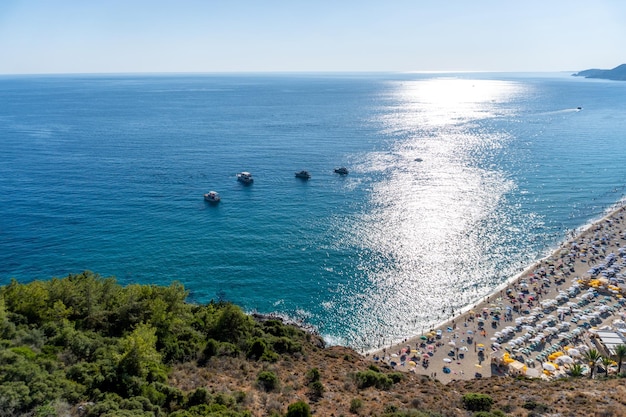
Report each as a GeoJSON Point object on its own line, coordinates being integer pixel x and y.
{"type": "Point", "coordinates": [371, 378]}
{"type": "Point", "coordinates": [356, 405]}
{"type": "Point", "coordinates": [313, 375]}
{"type": "Point", "coordinates": [286, 345]}
{"type": "Point", "coordinates": [495, 413]}
{"type": "Point", "coordinates": [197, 397]}
{"type": "Point", "coordinates": [299, 409]}
{"type": "Point", "coordinates": [211, 349]}
{"type": "Point", "coordinates": [317, 389]}
{"type": "Point", "coordinates": [228, 349]}
{"type": "Point", "coordinates": [256, 349]}
{"type": "Point", "coordinates": [533, 405]}
{"type": "Point", "coordinates": [270, 356]}
{"type": "Point", "coordinates": [232, 325]}
{"type": "Point", "coordinates": [267, 380]}
{"type": "Point", "coordinates": [396, 377]}
{"type": "Point", "coordinates": [477, 402]}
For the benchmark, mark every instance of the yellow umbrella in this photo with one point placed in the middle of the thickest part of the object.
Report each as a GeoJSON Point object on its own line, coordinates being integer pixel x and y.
{"type": "Point", "coordinates": [412, 363]}
{"type": "Point", "coordinates": [480, 345]}
{"type": "Point", "coordinates": [478, 365]}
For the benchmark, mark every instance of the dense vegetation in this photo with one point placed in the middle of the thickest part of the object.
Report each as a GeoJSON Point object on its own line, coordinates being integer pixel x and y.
{"type": "Point", "coordinates": [84, 346]}
{"type": "Point", "coordinates": [86, 343]}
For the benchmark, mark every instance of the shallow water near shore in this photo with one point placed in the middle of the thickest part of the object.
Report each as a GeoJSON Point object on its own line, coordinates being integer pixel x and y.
{"type": "Point", "coordinates": [456, 183]}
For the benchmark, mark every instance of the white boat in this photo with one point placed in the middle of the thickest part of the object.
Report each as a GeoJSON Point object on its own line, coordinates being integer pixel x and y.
{"type": "Point", "coordinates": [212, 197]}
{"type": "Point", "coordinates": [245, 177]}
{"type": "Point", "coordinates": [341, 171]}
{"type": "Point", "coordinates": [303, 174]}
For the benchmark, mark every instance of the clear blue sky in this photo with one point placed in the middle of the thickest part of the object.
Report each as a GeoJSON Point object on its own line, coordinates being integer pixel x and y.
{"type": "Point", "coordinates": [82, 36]}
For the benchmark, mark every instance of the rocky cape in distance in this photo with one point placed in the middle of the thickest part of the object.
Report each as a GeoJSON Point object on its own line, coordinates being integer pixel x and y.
{"type": "Point", "coordinates": [618, 73]}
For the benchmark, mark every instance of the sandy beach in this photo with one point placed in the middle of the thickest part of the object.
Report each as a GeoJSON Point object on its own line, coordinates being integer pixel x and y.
{"type": "Point", "coordinates": [554, 307]}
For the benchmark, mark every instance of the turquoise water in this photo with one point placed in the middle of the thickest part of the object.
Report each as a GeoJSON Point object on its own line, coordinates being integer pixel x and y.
{"type": "Point", "coordinates": [457, 181]}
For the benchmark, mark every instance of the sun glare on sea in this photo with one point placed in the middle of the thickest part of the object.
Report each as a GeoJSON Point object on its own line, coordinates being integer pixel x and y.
{"type": "Point", "coordinates": [434, 207]}
{"type": "Point", "coordinates": [454, 99]}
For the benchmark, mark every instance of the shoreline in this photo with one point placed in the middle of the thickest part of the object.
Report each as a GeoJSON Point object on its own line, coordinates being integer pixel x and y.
{"type": "Point", "coordinates": [612, 216]}
{"type": "Point", "coordinates": [571, 236]}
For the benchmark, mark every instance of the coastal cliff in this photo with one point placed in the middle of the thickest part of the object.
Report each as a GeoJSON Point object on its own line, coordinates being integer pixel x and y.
{"type": "Point", "coordinates": [617, 74]}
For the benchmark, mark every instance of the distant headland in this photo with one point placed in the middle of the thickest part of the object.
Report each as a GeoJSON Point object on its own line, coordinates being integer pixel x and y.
{"type": "Point", "coordinates": [618, 73]}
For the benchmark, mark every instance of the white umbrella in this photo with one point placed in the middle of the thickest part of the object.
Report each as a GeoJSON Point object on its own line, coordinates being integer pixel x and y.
{"type": "Point", "coordinates": [565, 359]}
{"type": "Point", "coordinates": [574, 352]}
{"type": "Point", "coordinates": [447, 360]}
{"type": "Point", "coordinates": [619, 323]}
{"type": "Point", "coordinates": [548, 367]}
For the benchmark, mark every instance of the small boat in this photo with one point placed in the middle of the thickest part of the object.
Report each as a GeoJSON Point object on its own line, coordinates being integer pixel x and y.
{"type": "Point", "coordinates": [212, 197]}
{"type": "Point", "coordinates": [245, 177]}
{"type": "Point", "coordinates": [341, 171]}
{"type": "Point", "coordinates": [303, 174]}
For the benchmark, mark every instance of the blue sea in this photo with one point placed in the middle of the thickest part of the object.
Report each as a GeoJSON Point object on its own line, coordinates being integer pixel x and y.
{"type": "Point", "coordinates": [456, 183]}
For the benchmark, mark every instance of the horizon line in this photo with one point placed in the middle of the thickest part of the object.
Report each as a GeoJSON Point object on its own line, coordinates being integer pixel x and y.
{"type": "Point", "coordinates": [295, 72]}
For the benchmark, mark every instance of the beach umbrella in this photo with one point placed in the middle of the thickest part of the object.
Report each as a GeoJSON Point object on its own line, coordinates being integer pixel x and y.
{"type": "Point", "coordinates": [565, 359]}
{"type": "Point", "coordinates": [447, 360]}
{"type": "Point", "coordinates": [478, 365]}
{"type": "Point", "coordinates": [548, 366]}
{"type": "Point", "coordinates": [452, 343]}
{"type": "Point", "coordinates": [573, 352]}
{"type": "Point", "coordinates": [463, 349]}
{"type": "Point", "coordinates": [413, 350]}
{"type": "Point", "coordinates": [470, 332]}
{"type": "Point", "coordinates": [619, 323]}
{"type": "Point", "coordinates": [412, 363]}
{"type": "Point", "coordinates": [426, 356]}
{"type": "Point", "coordinates": [430, 347]}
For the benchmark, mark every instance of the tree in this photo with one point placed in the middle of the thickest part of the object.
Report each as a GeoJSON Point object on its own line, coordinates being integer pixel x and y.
{"type": "Point", "coordinates": [592, 356]}
{"type": "Point", "coordinates": [232, 325]}
{"type": "Point", "coordinates": [620, 353]}
{"type": "Point", "coordinates": [139, 355]}
{"type": "Point", "coordinates": [606, 362]}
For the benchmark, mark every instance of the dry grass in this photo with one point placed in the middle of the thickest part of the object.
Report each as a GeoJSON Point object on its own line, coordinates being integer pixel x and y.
{"type": "Point", "coordinates": [338, 365]}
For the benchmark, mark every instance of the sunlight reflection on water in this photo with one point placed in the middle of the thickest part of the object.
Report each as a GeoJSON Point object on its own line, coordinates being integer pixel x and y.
{"type": "Point", "coordinates": [431, 239]}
